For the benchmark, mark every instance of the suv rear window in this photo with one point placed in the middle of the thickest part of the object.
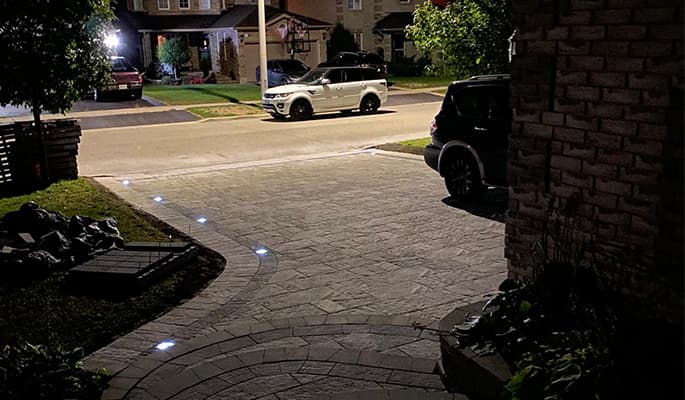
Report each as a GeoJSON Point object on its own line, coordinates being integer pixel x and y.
{"type": "Point", "coordinates": [372, 74]}
{"type": "Point", "coordinates": [473, 102]}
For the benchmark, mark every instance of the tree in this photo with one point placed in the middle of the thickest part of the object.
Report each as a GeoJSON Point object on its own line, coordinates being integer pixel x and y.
{"type": "Point", "coordinates": [341, 40]}
{"type": "Point", "coordinates": [173, 52]}
{"type": "Point", "coordinates": [51, 54]}
{"type": "Point", "coordinates": [470, 34]}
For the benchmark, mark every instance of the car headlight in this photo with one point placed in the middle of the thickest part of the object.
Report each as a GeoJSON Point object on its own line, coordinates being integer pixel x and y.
{"type": "Point", "coordinates": [282, 95]}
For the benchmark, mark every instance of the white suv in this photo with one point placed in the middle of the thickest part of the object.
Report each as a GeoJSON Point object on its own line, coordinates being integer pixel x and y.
{"type": "Point", "coordinates": [328, 89]}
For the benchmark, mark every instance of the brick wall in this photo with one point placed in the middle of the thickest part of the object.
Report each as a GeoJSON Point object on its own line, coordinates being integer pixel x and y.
{"type": "Point", "coordinates": [597, 90]}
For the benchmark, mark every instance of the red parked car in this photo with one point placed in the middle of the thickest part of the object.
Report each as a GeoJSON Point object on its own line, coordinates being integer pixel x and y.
{"type": "Point", "coordinates": [125, 80]}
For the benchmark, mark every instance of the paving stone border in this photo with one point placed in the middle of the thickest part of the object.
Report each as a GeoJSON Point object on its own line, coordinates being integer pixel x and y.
{"type": "Point", "coordinates": [202, 360]}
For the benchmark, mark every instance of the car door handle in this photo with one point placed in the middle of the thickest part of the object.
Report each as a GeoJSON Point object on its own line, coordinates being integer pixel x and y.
{"type": "Point", "coordinates": [363, 85]}
{"type": "Point", "coordinates": [338, 88]}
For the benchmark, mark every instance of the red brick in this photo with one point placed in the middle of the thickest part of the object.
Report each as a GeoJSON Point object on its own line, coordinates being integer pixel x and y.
{"type": "Point", "coordinates": [539, 19]}
{"type": "Point", "coordinates": [620, 16]}
{"type": "Point", "coordinates": [643, 146]}
{"type": "Point", "coordinates": [647, 163]}
{"type": "Point", "coordinates": [613, 217]}
{"type": "Point", "coordinates": [545, 47]}
{"type": "Point", "coordinates": [565, 191]}
{"type": "Point", "coordinates": [651, 49]}
{"type": "Point", "coordinates": [565, 163]}
{"type": "Point", "coordinates": [645, 114]}
{"type": "Point", "coordinates": [621, 96]}
{"type": "Point", "coordinates": [608, 79]}
{"type": "Point", "coordinates": [527, 115]}
{"type": "Point", "coordinates": [611, 186]}
{"type": "Point", "coordinates": [635, 175]}
{"type": "Point", "coordinates": [577, 180]}
{"type": "Point", "coordinates": [537, 130]}
{"type": "Point", "coordinates": [656, 98]}
{"type": "Point", "coordinates": [523, 89]}
{"type": "Point", "coordinates": [627, 32]}
{"type": "Point", "coordinates": [610, 48]}
{"type": "Point", "coordinates": [645, 226]}
{"type": "Point", "coordinates": [531, 158]}
{"type": "Point", "coordinates": [575, 18]}
{"type": "Point", "coordinates": [588, 32]}
{"type": "Point", "coordinates": [574, 47]}
{"type": "Point", "coordinates": [569, 135]}
{"type": "Point", "coordinates": [585, 63]}
{"type": "Point", "coordinates": [600, 169]}
{"type": "Point", "coordinates": [556, 146]}
{"type": "Point", "coordinates": [583, 152]}
{"type": "Point", "coordinates": [618, 157]}
{"type": "Point", "coordinates": [607, 110]}
{"type": "Point", "coordinates": [532, 103]}
{"type": "Point", "coordinates": [572, 78]}
{"type": "Point", "coordinates": [588, 93]}
{"type": "Point", "coordinates": [600, 200]}
{"type": "Point", "coordinates": [586, 4]}
{"type": "Point", "coordinates": [581, 122]}
{"type": "Point", "coordinates": [625, 64]}
{"type": "Point", "coordinates": [569, 106]}
{"type": "Point", "coordinates": [618, 127]}
{"type": "Point", "coordinates": [652, 15]}
{"type": "Point", "coordinates": [637, 207]}
{"type": "Point", "coordinates": [557, 33]}
{"type": "Point", "coordinates": [666, 32]}
{"type": "Point", "coordinates": [604, 140]}
{"type": "Point", "coordinates": [652, 132]}
{"type": "Point", "coordinates": [552, 118]}
{"type": "Point", "coordinates": [648, 81]}
{"type": "Point", "coordinates": [530, 33]}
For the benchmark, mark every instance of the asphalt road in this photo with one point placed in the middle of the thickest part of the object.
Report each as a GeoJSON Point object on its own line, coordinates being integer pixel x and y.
{"type": "Point", "coordinates": [166, 149]}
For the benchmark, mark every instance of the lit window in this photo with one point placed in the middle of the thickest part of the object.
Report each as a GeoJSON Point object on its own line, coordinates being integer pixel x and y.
{"type": "Point", "coordinates": [358, 39]}
{"type": "Point", "coordinates": [138, 5]}
{"type": "Point", "coordinates": [205, 4]}
{"type": "Point", "coordinates": [163, 4]}
{"type": "Point", "coordinates": [354, 4]}
{"type": "Point", "coordinates": [183, 3]}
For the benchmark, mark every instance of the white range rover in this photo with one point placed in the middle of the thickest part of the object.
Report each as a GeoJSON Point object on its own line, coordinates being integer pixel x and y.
{"type": "Point", "coordinates": [328, 89]}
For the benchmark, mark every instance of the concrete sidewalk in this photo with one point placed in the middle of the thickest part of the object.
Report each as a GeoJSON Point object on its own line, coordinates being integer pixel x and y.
{"type": "Point", "coordinates": [358, 247]}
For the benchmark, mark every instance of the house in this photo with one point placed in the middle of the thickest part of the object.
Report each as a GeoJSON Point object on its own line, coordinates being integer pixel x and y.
{"type": "Point", "coordinates": [222, 35]}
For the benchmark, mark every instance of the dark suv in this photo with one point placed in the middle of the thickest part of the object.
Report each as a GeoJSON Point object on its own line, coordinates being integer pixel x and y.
{"type": "Point", "coordinates": [358, 58]}
{"type": "Point", "coordinates": [469, 135]}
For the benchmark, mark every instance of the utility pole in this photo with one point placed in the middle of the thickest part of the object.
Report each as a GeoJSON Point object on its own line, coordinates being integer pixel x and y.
{"type": "Point", "coordinates": [264, 73]}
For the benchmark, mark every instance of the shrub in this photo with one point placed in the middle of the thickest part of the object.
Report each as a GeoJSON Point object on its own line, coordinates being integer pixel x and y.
{"type": "Point", "coordinates": [39, 372]}
{"type": "Point", "coordinates": [408, 66]}
{"type": "Point", "coordinates": [341, 40]}
{"type": "Point", "coordinates": [174, 51]}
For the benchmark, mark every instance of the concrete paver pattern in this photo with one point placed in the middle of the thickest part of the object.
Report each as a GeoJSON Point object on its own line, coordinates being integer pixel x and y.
{"type": "Point", "coordinates": [347, 236]}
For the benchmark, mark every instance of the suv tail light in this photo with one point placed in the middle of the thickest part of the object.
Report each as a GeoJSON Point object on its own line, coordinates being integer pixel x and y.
{"type": "Point", "coordinates": [433, 127]}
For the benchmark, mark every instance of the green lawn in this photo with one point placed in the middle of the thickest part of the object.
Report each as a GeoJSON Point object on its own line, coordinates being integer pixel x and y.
{"type": "Point", "coordinates": [420, 82]}
{"type": "Point", "coordinates": [44, 311]}
{"type": "Point", "coordinates": [206, 93]}
{"type": "Point", "coordinates": [414, 146]}
{"type": "Point", "coordinates": [420, 143]}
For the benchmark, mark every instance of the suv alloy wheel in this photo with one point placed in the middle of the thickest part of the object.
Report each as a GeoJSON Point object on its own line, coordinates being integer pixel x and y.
{"type": "Point", "coordinates": [462, 178]}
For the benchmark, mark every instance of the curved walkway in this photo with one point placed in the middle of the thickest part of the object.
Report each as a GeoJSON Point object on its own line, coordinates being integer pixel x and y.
{"type": "Point", "coordinates": [323, 258]}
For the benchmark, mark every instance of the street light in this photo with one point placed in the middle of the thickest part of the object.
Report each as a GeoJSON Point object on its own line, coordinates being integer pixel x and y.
{"type": "Point", "coordinates": [112, 41]}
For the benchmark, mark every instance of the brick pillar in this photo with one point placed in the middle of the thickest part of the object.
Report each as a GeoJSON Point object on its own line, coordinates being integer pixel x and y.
{"type": "Point", "coordinates": [597, 94]}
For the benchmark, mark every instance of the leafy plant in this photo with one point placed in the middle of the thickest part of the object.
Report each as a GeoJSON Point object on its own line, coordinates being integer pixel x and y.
{"type": "Point", "coordinates": [341, 40]}
{"type": "Point", "coordinates": [470, 35]}
{"type": "Point", "coordinates": [173, 51]}
{"type": "Point", "coordinates": [40, 372]}
{"type": "Point", "coordinates": [53, 54]}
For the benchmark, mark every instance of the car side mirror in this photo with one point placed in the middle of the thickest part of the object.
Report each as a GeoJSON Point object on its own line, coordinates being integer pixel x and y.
{"type": "Point", "coordinates": [325, 81]}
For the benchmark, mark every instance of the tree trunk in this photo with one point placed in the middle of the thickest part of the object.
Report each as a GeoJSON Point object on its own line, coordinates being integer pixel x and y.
{"type": "Point", "coordinates": [44, 167]}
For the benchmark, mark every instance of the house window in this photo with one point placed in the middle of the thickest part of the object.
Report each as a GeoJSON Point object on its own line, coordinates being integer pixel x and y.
{"type": "Point", "coordinates": [163, 4]}
{"type": "Point", "coordinates": [138, 5]}
{"type": "Point", "coordinates": [184, 4]}
{"type": "Point", "coordinates": [354, 4]}
{"type": "Point", "coordinates": [205, 4]}
{"type": "Point", "coordinates": [358, 39]}
{"type": "Point", "coordinates": [398, 46]}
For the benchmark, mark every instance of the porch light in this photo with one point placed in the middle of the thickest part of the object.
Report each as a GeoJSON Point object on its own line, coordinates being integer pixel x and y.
{"type": "Point", "coordinates": [112, 40]}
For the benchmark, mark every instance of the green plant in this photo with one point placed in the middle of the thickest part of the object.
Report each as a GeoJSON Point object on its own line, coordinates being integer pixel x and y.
{"type": "Point", "coordinates": [470, 35]}
{"type": "Point", "coordinates": [174, 52]}
{"type": "Point", "coordinates": [408, 66]}
{"type": "Point", "coordinates": [341, 40]}
{"type": "Point", "coordinates": [42, 372]}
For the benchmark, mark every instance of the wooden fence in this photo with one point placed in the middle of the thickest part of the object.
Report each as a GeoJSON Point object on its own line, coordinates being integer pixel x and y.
{"type": "Point", "coordinates": [21, 154]}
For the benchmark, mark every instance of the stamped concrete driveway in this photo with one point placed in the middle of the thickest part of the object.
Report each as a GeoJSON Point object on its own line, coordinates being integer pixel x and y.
{"type": "Point", "coordinates": [356, 234]}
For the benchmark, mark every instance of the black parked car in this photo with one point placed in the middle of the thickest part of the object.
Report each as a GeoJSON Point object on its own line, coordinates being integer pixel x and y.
{"type": "Point", "coordinates": [358, 58]}
{"type": "Point", "coordinates": [469, 135]}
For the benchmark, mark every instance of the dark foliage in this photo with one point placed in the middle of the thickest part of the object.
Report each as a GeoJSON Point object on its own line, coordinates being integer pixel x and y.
{"type": "Point", "coordinates": [341, 40]}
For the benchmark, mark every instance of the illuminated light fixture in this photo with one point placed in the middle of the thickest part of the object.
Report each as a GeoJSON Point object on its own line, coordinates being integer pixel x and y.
{"type": "Point", "coordinates": [261, 251]}
{"type": "Point", "coordinates": [201, 220]}
{"type": "Point", "coordinates": [158, 199]}
{"type": "Point", "coordinates": [111, 40]}
{"type": "Point", "coordinates": [125, 182]}
{"type": "Point", "coordinates": [165, 345]}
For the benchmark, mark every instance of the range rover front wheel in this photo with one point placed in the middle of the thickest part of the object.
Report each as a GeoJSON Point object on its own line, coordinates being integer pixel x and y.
{"type": "Point", "coordinates": [462, 177]}
{"type": "Point", "coordinates": [300, 110]}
